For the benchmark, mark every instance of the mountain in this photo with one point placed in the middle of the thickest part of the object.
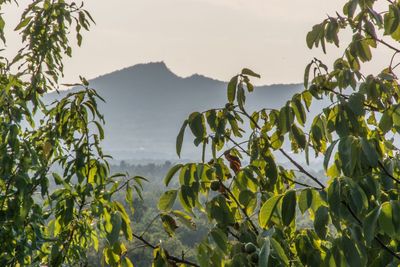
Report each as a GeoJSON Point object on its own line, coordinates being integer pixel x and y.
{"type": "Point", "coordinates": [146, 105]}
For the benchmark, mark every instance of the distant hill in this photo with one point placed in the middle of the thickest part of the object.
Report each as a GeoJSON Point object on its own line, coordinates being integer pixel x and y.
{"type": "Point", "coordinates": [147, 103]}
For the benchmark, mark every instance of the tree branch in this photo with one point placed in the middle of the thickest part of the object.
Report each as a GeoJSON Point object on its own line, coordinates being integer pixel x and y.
{"type": "Point", "coordinates": [301, 169]}
{"type": "Point", "coordinates": [389, 250]}
{"type": "Point", "coordinates": [240, 207]}
{"type": "Point", "coordinates": [169, 257]}
{"type": "Point", "coordinates": [388, 173]}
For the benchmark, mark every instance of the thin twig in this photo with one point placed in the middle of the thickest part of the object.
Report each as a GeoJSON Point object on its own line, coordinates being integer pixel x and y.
{"type": "Point", "coordinates": [301, 169]}
{"type": "Point", "coordinates": [239, 146]}
{"type": "Point", "coordinates": [169, 257]}
{"type": "Point", "coordinates": [150, 224]}
{"type": "Point", "coordinates": [234, 235]}
{"type": "Point", "coordinates": [388, 173]}
{"type": "Point", "coordinates": [376, 238]}
{"type": "Point", "coordinates": [240, 207]}
{"type": "Point", "coordinates": [300, 183]}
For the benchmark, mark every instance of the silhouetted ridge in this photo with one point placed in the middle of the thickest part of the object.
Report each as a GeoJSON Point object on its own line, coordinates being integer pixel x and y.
{"type": "Point", "coordinates": [146, 105]}
{"type": "Point", "coordinates": [146, 71]}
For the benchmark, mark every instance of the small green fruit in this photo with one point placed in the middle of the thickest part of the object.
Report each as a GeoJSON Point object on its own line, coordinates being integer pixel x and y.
{"type": "Point", "coordinates": [250, 248]}
{"type": "Point", "coordinates": [254, 257]}
{"type": "Point", "coordinates": [215, 185]}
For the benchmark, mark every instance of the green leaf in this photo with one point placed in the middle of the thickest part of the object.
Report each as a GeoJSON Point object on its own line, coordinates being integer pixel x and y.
{"type": "Point", "coordinates": [126, 262]}
{"type": "Point", "coordinates": [359, 199]}
{"type": "Point", "coordinates": [241, 97]}
{"type": "Point", "coordinates": [356, 104]}
{"type": "Point", "coordinates": [386, 122]}
{"type": "Point", "coordinates": [246, 196]}
{"type": "Point", "coordinates": [386, 219]}
{"type": "Point", "coordinates": [232, 85]}
{"type": "Point", "coordinates": [250, 87]}
{"type": "Point", "coordinates": [249, 72]}
{"type": "Point", "coordinates": [267, 210]}
{"type": "Point", "coordinates": [219, 238]}
{"type": "Point", "coordinates": [169, 224]}
{"type": "Point", "coordinates": [299, 136]}
{"type": "Point", "coordinates": [396, 215]}
{"type": "Point", "coordinates": [184, 219]}
{"type": "Point", "coordinates": [363, 50]}
{"type": "Point", "coordinates": [187, 198]}
{"type": "Point", "coordinates": [197, 125]}
{"type": "Point", "coordinates": [370, 29]}
{"type": "Point", "coordinates": [179, 138]}
{"type": "Point", "coordinates": [305, 200]}
{"type": "Point", "coordinates": [277, 248]}
{"type": "Point", "coordinates": [321, 222]}
{"type": "Point", "coordinates": [391, 20]}
{"type": "Point", "coordinates": [351, 253]}
{"type": "Point", "coordinates": [299, 111]}
{"type": "Point", "coordinates": [288, 207]}
{"type": "Point", "coordinates": [349, 154]}
{"type": "Point", "coordinates": [167, 200]}
{"type": "Point", "coordinates": [328, 154]}
{"type": "Point", "coordinates": [307, 74]}
{"type": "Point", "coordinates": [369, 152]}
{"type": "Point", "coordinates": [23, 23]}
{"type": "Point", "coordinates": [370, 224]}
{"type": "Point", "coordinates": [314, 35]}
{"type": "Point", "coordinates": [286, 119]}
{"type": "Point", "coordinates": [350, 8]}
{"type": "Point", "coordinates": [171, 173]}
{"type": "Point", "coordinates": [264, 253]}
{"type": "Point", "coordinates": [116, 222]}
{"type": "Point", "coordinates": [307, 98]}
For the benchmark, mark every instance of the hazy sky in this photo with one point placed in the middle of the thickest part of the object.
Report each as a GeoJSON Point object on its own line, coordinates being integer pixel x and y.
{"type": "Point", "coordinates": [215, 38]}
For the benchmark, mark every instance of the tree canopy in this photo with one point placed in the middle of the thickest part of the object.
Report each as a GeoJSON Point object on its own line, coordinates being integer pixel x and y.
{"type": "Point", "coordinates": [254, 203]}
{"type": "Point", "coordinates": [354, 217]}
{"type": "Point", "coordinates": [40, 226]}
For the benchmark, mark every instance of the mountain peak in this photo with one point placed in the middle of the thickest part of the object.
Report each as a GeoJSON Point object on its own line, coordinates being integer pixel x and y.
{"type": "Point", "coordinates": [157, 67]}
{"type": "Point", "coordinates": [148, 70]}
{"type": "Point", "coordinates": [152, 65]}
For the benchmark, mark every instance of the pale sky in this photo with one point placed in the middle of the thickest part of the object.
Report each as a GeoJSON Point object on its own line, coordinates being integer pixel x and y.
{"type": "Point", "coordinates": [215, 38]}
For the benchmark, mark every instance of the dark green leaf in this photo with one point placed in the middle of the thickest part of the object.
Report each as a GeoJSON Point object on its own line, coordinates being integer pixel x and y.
{"type": "Point", "coordinates": [328, 154]}
{"type": "Point", "coordinates": [250, 73]}
{"type": "Point", "coordinates": [307, 74]}
{"type": "Point", "coordinates": [321, 221]}
{"type": "Point", "coordinates": [197, 125]}
{"type": "Point", "coordinates": [288, 207]}
{"type": "Point", "coordinates": [179, 138]}
{"type": "Point", "coordinates": [219, 238]}
{"type": "Point", "coordinates": [370, 224]}
{"type": "Point", "coordinates": [278, 250]}
{"type": "Point", "coordinates": [232, 85]}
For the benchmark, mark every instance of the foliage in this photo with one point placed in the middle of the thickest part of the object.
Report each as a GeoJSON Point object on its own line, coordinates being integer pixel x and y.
{"type": "Point", "coordinates": [148, 224]}
{"type": "Point", "coordinates": [254, 208]}
{"type": "Point", "coordinates": [40, 226]}
{"type": "Point", "coordinates": [355, 215]}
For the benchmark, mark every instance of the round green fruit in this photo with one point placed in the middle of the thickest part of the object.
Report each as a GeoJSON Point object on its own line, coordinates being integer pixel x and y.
{"type": "Point", "coordinates": [254, 257]}
{"type": "Point", "coordinates": [215, 185]}
{"type": "Point", "coordinates": [250, 248]}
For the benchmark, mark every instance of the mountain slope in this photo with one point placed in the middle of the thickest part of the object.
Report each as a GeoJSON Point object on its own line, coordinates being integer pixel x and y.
{"type": "Point", "coordinates": [147, 103]}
